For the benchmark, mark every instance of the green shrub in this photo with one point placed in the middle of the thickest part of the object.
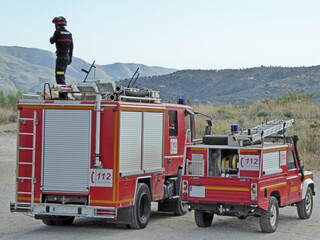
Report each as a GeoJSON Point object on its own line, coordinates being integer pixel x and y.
{"type": "Point", "coordinates": [263, 114]}
{"type": "Point", "coordinates": [315, 124]}
{"type": "Point", "coordinates": [295, 96]}
{"type": "Point", "coordinates": [288, 115]}
{"type": "Point", "coordinates": [230, 116]}
{"type": "Point", "coordinates": [10, 99]}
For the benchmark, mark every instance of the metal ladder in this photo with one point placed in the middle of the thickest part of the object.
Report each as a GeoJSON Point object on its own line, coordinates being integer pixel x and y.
{"type": "Point", "coordinates": [32, 180]}
{"type": "Point", "coordinates": [258, 133]}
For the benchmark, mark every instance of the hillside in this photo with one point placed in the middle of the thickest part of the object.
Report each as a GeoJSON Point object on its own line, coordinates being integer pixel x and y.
{"type": "Point", "coordinates": [237, 87]}
{"type": "Point", "coordinates": [29, 68]}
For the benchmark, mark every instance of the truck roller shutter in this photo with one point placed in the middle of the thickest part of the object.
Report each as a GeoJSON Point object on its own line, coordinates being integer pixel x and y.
{"type": "Point", "coordinates": [130, 142]}
{"type": "Point", "coordinates": [152, 141]}
{"type": "Point", "coordinates": [66, 150]}
{"type": "Point", "coordinates": [271, 163]}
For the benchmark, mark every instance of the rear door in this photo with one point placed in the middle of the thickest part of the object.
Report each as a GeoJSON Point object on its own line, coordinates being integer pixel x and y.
{"type": "Point", "coordinates": [66, 150]}
{"type": "Point", "coordinates": [293, 178]}
{"type": "Point", "coordinates": [225, 190]}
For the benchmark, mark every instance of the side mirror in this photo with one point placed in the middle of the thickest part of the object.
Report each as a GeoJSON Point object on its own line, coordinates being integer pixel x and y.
{"type": "Point", "coordinates": [302, 164]}
{"type": "Point", "coordinates": [207, 130]}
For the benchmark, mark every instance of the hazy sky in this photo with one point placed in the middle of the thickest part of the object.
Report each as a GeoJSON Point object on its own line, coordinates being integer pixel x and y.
{"type": "Point", "coordinates": [198, 34]}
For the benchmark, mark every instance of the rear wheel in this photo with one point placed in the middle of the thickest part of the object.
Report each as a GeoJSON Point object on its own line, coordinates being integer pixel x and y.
{"type": "Point", "coordinates": [48, 222]}
{"type": "Point", "coordinates": [142, 207]}
{"type": "Point", "coordinates": [305, 206]}
{"type": "Point", "coordinates": [182, 208]}
{"type": "Point", "coordinates": [59, 220]}
{"type": "Point", "coordinates": [242, 217]}
{"type": "Point", "coordinates": [64, 220]}
{"type": "Point", "coordinates": [203, 219]}
{"type": "Point", "coordinates": [269, 219]}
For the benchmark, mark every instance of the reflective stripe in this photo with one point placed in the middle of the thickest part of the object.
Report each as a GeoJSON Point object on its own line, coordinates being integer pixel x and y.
{"type": "Point", "coordinates": [64, 40]}
{"type": "Point", "coordinates": [59, 73]}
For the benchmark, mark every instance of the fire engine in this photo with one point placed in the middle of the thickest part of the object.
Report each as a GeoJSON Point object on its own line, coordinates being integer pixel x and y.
{"type": "Point", "coordinates": [247, 173]}
{"type": "Point", "coordinates": [107, 152]}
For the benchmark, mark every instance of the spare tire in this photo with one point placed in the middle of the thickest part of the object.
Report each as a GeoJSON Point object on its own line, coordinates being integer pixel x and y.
{"type": "Point", "coordinates": [141, 93]}
{"type": "Point", "coordinates": [215, 139]}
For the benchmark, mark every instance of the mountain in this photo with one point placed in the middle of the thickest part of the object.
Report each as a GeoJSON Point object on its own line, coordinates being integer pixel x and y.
{"type": "Point", "coordinates": [236, 87]}
{"type": "Point", "coordinates": [29, 68]}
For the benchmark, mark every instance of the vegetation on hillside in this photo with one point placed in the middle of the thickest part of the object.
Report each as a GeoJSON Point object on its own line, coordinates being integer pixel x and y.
{"type": "Point", "coordinates": [292, 104]}
{"type": "Point", "coordinates": [234, 86]}
{"type": "Point", "coordinates": [8, 106]}
{"type": "Point", "coordinates": [295, 105]}
{"type": "Point", "coordinates": [29, 68]}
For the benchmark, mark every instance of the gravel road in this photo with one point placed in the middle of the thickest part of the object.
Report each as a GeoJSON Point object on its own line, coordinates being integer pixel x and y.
{"type": "Point", "coordinates": [161, 225]}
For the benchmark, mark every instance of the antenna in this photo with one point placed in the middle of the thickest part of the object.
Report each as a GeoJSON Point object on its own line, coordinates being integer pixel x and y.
{"type": "Point", "coordinates": [133, 77]}
{"type": "Point", "coordinates": [87, 72]}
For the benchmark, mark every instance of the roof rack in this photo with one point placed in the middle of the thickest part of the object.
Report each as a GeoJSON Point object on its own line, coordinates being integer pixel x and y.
{"type": "Point", "coordinates": [258, 133]}
{"type": "Point", "coordinates": [111, 92]}
{"type": "Point", "coordinates": [108, 91]}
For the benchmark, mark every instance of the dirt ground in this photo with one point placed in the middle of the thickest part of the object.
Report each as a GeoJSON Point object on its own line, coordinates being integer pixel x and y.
{"type": "Point", "coordinates": [161, 225]}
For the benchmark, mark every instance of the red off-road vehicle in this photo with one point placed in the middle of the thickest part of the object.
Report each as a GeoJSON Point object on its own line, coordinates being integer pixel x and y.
{"type": "Point", "coordinates": [251, 173]}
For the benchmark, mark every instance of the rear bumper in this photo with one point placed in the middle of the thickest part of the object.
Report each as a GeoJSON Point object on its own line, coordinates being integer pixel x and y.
{"type": "Point", "coordinates": [43, 210]}
{"type": "Point", "coordinates": [227, 209]}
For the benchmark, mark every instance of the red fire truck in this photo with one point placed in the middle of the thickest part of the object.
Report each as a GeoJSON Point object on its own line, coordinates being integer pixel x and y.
{"type": "Point", "coordinates": [249, 173]}
{"type": "Point", "coordinates": [108, 153]}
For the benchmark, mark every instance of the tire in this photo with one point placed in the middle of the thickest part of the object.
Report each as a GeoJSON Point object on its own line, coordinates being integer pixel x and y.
{"type": "Point", "coordinates": [48, 222]}
{"type": "Point", "coordinates": [242, 217]}
{"type": "Point", "coordinates": [182, 208]}
{"type": "Point", "coordinates": [203, 219]}
{"type": "Point", "coordinates": [141, 210]}
{"type": "Point", "coordinates": [64, 220]}
{"type": "Point", "coordinates": [269, 219]}
{"type": "Point", "coordinates": [59, 220]}
{"type": "Point", "coordinates": [305, 206]}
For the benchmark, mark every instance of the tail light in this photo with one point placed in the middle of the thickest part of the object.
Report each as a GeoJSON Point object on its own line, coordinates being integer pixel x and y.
{"type": "Point", "coordinates": [185, 189]}
{"type": "Point", "coordinates": [254, 192]}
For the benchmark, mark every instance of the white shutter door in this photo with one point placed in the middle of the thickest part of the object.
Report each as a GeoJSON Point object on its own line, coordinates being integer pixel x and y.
{"type": "Point", "coordinates": [152, 140]}
{"type": "Point", "coordinates": [130, 142]}
{"type": "Point", "coordinates": [66, 150]}
{"type": "Point", "coordinates": [271, 163]}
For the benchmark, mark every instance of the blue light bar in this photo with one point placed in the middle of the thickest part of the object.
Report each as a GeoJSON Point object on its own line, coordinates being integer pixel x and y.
{"type": "Point", "coordinates": [181, 101]}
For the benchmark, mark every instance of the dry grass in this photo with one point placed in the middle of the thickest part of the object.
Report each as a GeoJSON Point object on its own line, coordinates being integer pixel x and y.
{"type": "Point", "coordinates": [306, 115]}
{"type": "Point", "coordinates": [7, 115]}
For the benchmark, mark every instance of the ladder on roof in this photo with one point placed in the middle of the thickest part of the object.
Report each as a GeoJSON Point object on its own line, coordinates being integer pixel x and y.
{"type": "Point", "coordinates": [258, 133]}
{"type": "Point", "coordinates": [31, 180]}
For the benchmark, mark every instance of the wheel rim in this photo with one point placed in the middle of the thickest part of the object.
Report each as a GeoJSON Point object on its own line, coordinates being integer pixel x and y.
{"type": "Point", "coordinates": [273, 215]}
{"type": "Point", "coordinates": [308, 202]}
{"type": "Point", "coordinates": [143, 208]}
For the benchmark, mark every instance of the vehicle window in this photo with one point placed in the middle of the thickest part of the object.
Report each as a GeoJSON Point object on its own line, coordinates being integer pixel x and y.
{"type": "Point", "coordinates": [291, 161]}
{"type": "Point", "coordinates": [173, 123]}
{"type": "Point", "coordinates": [188, 123]}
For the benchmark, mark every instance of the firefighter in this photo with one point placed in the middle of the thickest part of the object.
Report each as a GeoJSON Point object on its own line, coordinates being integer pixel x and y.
{"type": "Point", "coordinates": [64, 45]}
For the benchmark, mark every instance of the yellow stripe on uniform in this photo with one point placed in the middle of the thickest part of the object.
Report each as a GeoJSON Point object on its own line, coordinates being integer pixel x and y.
{"type": "Point", "coordinates": [59, 73]}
